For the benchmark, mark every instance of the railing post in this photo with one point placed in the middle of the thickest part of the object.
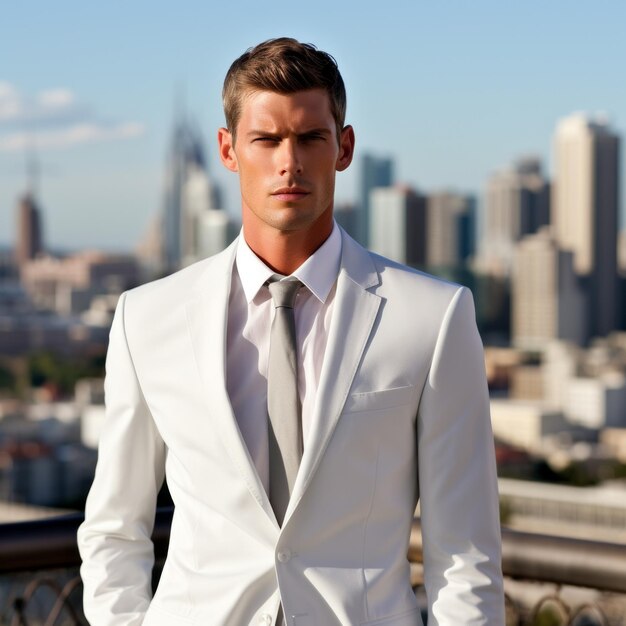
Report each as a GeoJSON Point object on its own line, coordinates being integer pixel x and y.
{"type": "Point", "coordinates": [19, 617]}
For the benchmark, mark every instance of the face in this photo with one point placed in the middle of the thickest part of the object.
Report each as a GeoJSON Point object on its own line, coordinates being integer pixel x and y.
{"type": "Point", "coordinates": [287, 153]}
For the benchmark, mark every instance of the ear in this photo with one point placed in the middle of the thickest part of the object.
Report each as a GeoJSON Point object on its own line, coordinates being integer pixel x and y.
{"type": "Point", "coordinates": [346, 148]}
{"type": "Point", "coordinates": [227, 149]}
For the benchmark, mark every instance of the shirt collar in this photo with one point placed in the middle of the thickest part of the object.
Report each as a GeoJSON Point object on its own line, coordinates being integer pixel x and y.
{"type": "Point", "coordinates": [318, 273]}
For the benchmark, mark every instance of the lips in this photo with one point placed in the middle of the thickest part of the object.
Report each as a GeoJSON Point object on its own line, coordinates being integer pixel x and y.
{"type": "Point", "coordinates": [289, 194]}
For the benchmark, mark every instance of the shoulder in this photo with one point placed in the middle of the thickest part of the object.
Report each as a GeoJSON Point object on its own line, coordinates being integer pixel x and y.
{"type": "Point", "coordinates": [396, 281]}
{"type": "Point", "coordinates": [425, 297]}
{"type": "Point", "coordinates": [393, 275]}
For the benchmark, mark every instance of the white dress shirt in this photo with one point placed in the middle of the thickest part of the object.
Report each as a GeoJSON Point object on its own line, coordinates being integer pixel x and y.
{"type": "Point", "coordinates": [250, 315]}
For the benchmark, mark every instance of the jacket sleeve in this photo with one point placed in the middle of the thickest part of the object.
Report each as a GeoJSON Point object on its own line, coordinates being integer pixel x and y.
{"type": "Point", "coordinates": [457, 478]}
{"type": "Point", "coordinates": [114, 540]}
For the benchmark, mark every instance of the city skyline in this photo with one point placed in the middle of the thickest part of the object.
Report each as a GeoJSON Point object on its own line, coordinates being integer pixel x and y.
{"type": "Point", "coordinates": [469, 92]}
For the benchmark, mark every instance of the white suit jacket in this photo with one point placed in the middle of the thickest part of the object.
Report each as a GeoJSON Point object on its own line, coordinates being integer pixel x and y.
{"type": "Point", "coordinates": [402, 412]}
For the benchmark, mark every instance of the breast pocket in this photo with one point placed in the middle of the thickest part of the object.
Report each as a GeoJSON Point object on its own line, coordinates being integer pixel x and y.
{"type": "Point", "coordinates": [379, 400]}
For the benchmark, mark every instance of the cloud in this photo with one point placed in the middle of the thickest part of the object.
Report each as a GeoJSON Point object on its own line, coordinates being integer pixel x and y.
{"type": "Point", "coordinates": [55, 98]}
{"type": "Point", "coordinates": [72, 136]}
{"type": "Point", "coordinates": [51, 107]}
{"type": "Point", "coordinates": [10, 105]}
{"type": "Point", "coordinates": [54, 119]}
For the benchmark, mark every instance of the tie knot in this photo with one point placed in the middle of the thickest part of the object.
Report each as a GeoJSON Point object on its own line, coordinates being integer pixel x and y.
{"type": "Point", "coordinates": [284, 292]}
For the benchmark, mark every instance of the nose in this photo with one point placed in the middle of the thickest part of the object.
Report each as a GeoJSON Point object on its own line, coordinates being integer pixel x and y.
{"type": "Point", "coordinates": [290, 161]}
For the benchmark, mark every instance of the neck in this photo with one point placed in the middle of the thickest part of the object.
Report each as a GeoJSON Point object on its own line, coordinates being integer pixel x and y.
{"type": "Point", "coordinates": [285, 251]}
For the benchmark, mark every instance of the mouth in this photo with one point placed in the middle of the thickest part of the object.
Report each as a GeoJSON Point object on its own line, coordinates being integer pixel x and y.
{"type": "Point", "coordinates": [290, 194]}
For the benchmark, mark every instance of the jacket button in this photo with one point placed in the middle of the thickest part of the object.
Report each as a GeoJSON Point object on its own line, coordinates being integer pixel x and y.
{"type": "Point", "coordinates": [265, 618]}
{"type": "Point", "coordinates": [284, 556]}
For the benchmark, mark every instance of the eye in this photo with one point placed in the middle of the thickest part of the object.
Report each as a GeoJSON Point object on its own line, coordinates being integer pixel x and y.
{"type": "Point", "coordinates": [312, 137]}
{"type": "Point", "coordinates": [266, 140]}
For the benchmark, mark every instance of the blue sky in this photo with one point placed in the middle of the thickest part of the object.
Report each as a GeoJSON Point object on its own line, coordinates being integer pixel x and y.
{"type": "Point", "coordinates": [451, 90]}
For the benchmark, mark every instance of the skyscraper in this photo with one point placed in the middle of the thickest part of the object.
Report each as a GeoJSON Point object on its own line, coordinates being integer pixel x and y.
{"type": "Point", "coordinates": [375, 172]}
{"type": "Point", "coordinates": [194, 226]}
{"type": "Point", "coordinates": [29, 241]}
{"type": "Point", "coordinates": [206, 228]}
{"type": "Point", "coordinates": [346, 215]}
{"type": "Point", "coordinates": [546, 297]}
{"type": "Point", "coordinates": [398, 224]}
{"type": "Point", "coordinates": [585, 211]}
{"type": "Point", "coordinates": [450, 219]}
{"type": "Point", "coordinates": [516, 203]}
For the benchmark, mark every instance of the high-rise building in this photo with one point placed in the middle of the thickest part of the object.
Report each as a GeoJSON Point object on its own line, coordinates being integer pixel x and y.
{"type": "Point", "coordinates": [585, 200]}
{"type": "Point", "coordinates": [375, 172]}
{"type": "Point", "coordinates": [547, 300]}
{"type": "Point", "coordinates": [560, 363]}
{"type": "Point", "coordinates": [597, 402]}
{"type": "Point", "coordinates": [206, 228]}
{"type": "Point", "coordinates": [29, 230]}
{"type": "Point", "coordinates": [149, 249]}
{"type": "Point", "coordinates": [346, 216]}
{"type": "Point", "coordinates": [398, 224]}
{"type": "Point", "coordinates": [450, 219]}
{"type": "Point", "coordinates": [194, 226]}
{"type": "Point", "coordinates": [516, 203]}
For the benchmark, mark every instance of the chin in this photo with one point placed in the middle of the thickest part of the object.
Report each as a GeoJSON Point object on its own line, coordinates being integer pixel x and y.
{"type": "Point", "coordinates": [293, 219]}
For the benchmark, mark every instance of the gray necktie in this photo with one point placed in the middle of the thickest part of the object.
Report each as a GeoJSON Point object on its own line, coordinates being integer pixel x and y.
{"type": "Point", "coordinates": [283, 402]}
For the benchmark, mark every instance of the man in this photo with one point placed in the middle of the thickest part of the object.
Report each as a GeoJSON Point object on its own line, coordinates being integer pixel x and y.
{"type": "Point", "coordinates": [296, 434]}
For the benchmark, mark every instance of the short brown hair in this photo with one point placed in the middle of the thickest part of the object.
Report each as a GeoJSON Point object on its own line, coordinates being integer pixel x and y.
{"type": "Point", "coordinates": [284, 66]}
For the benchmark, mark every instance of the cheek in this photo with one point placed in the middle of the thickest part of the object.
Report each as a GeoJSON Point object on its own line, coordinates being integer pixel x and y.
{"type": "Point", "coordinates": [249, 176]}
{"type": "Point", "coordinates": [253, 185]}
{"type": "Point", "coordinates": [329, 180]}
{"type": "Point", "coordinates": [248, 190]}
{"type": "Point", "coordinates": [256, 165]}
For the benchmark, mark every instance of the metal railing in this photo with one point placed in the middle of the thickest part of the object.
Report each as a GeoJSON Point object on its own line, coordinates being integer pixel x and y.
{"type": "Point", "coordinates": [39, 551]}
{"type": "Point", "coordinates": [39, 563]}
{"type": "Point", "coordinates": [51, 543]}
{"type": "Point", "coordinates": [554, 564]}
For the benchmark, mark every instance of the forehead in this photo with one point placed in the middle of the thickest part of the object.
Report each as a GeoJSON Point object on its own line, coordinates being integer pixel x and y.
{"type": "Point", "coordinates": [261, 109]}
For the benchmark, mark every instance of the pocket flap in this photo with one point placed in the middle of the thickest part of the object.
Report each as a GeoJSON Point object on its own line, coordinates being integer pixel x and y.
{"type": "Point", "coordinates": [378, 400]}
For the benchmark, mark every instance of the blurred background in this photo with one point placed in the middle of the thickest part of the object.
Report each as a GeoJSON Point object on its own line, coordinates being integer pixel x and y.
{"type": "Point", "coordinates": [489, 142]}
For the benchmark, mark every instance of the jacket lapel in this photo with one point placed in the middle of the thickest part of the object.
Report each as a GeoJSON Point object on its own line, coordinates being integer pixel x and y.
{"type": "Point", "coordinates": [352, 322]}
{"type": "Point", "coordinates": [207, 315]}
{"type": "Point", "coordinates": [355, 312]}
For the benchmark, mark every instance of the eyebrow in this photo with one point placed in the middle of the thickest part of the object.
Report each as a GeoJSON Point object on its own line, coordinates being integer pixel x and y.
{"type": "Point", "coordinates": [317, 131]}
{"type": "Point", "coordinates": [264, 133]}
{"type": "Point", "coordinates": [312, 131]}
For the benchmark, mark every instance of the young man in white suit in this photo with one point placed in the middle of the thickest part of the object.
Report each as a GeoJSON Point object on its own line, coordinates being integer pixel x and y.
{"type": "Point", "coordinates": [392, 406]}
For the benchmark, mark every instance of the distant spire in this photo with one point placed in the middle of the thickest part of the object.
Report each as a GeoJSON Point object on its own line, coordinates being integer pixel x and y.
{"type": "Point", "coordinates": [180, 102]}
{"type": "Point", "coordinates": [33, 172]}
